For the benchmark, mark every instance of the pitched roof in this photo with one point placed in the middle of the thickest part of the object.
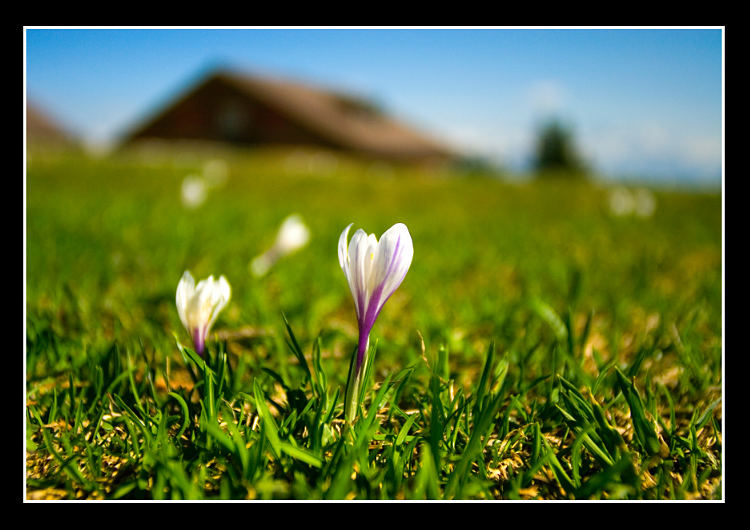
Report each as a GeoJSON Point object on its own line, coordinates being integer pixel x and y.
{"type": "Point", "coordinates": [40, 127]}
{"type": "Point", "coordinates": [341, 119]}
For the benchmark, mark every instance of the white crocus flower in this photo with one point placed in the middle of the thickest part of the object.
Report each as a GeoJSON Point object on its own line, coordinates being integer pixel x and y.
{"type": "Point", "coordinates": [645, 202]}
{"type": "Point", "coordinates": [198, 306]}
{"type": "Point", "coordinates": [621, 202]}
{"type": "Point", "coordinates": [293, 235]}
{"type": "Point", "coordinates": [374, 270]}
{"type": "Point", "coordinates": [193, 191]}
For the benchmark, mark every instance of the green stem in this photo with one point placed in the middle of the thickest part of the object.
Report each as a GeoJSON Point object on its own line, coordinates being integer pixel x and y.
{"type": "Point", "coordinates": [354, 395]}
{"type": "Point", "coordinates": [353, 383]}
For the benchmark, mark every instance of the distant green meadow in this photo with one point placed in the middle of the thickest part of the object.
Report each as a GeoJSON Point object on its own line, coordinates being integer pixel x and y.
{"type": "Point", "coordinates": [541, 346]}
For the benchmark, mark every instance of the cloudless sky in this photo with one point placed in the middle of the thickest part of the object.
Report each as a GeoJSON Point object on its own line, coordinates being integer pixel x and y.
{"type": "Point", "coordinates": [642, 102]}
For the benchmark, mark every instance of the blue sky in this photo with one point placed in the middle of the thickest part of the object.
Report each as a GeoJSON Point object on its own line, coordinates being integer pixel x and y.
{"type": "Point", "coordinates": [642, 102]}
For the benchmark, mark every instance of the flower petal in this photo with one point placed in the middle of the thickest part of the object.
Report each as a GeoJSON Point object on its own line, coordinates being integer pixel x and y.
{"type": "Point", "coordinates": [357, 281]}
{"type": "Point", "coordinates": [220, 294]}
{"type": "Point", "coordinates": [394, 256]}
{"type": "Point", "coordinates": [185, 292]}
{"type": "Point", "coordinates": [344, 250]}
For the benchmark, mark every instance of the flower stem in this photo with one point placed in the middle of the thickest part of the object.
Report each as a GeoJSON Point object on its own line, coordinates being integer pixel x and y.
{"type": "Point", "coordinates": [358, 369]}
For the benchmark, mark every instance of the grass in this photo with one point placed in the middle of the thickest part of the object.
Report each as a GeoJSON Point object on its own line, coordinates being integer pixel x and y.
{"type": "Point", "coordinates": [539, 347]}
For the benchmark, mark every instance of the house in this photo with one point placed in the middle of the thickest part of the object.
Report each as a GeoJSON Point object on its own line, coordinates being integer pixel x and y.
{"type": "Point", "coordinates": [42, 129]}
{"type": "Point", "coordinates": [251, 110]}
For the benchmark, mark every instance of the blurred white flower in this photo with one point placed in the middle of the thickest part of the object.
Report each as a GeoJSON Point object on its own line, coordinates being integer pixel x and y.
{"type": "Point", "coordinates": [645, 202]}
{"type": "Point", "coordinates": [640, 202]}
{"type": "Point", "coordinates": [293, 234]}
{"type": "Point", "coordinates": [193, 191]}
{"type": "Point", "coordinates": [621, 202]}
{"type": "Point", "coordinates": [198, 306]}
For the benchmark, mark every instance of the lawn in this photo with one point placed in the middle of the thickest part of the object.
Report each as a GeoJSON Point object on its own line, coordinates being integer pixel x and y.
{"type": "Point", "coordinates": [540, 346]}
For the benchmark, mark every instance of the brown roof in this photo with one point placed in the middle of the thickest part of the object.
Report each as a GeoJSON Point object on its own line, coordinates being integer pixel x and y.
{"type": "Point", "coordinates": [338, 119]}
{"type": "Point", "coordinates": [40, 127]}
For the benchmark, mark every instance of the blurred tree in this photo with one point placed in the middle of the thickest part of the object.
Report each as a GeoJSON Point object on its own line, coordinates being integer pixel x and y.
{"type": "Point", "coordinates": [556, 154]}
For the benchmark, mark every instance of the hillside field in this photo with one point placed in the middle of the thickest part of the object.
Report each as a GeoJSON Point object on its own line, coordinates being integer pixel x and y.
{"type": "Point", "coordinates": [540, 347]}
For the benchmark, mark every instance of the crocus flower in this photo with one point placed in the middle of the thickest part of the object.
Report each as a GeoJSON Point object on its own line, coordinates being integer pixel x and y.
{"type": "Point", "coordinates": [621, 202]}
{"type": "Point", "coordinates": [374, 270]}
{"type": "Point", "coordinates": [193, 191]}
{"type": "Point", "coordinates": [640, 202]}
{"type": "Point", "coordinates": [198, 306]}
{"type": "Point", "coordinates": [645, 202]}
{"type": "Point", "coordinates": [293, 235]}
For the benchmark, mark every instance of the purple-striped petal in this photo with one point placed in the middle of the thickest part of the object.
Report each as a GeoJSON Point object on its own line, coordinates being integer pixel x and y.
{"type": "Point", "coordinates": [374, 270]}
